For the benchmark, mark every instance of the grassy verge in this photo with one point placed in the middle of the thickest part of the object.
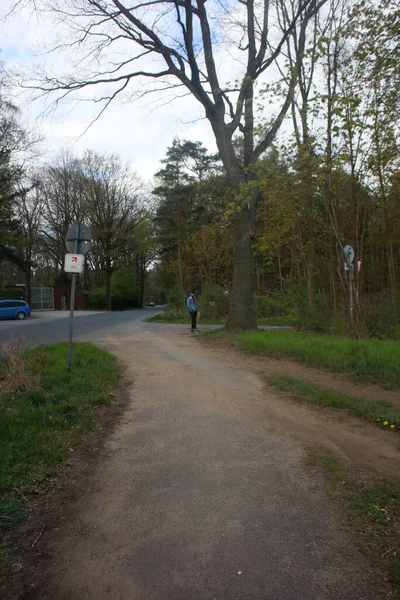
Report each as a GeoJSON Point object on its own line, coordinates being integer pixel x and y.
{"type": "Point", "coordinates": [377, 361]}
{"type": "Point", "coordinates": [43, 409]}
{"type": "Point", "coordinates": [370, 508]}
{"type": "Point", "coordinates": [378, 412]}
{"type": "Point", "coordinates": [183, 318]}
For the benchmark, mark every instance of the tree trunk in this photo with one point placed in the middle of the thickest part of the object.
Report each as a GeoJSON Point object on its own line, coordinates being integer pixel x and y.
{"type": "Point", "coordinates": [142, 279]}
{"type": "Point", "coordinates": [310, 260]}
{"type": "Point", "coordinates": [28, 280]}
{"type": "Point", "coordinates": [241, 308]}
{"type": "Point", "coordinates": [108, 288]}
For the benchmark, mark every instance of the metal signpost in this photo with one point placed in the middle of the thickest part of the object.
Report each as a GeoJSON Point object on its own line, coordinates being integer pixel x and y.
{"type": "Point", "coordinates": [349, 253]}
{"type": "Point", "coordinates": [78, 241]}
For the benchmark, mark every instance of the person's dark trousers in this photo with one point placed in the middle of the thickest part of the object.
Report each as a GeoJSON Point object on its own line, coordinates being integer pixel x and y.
{"type": "Point", "coordinates": [194, 318]}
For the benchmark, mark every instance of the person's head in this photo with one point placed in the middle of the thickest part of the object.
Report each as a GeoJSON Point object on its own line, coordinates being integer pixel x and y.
{"type": "Point", "coordinates": [192, 294]}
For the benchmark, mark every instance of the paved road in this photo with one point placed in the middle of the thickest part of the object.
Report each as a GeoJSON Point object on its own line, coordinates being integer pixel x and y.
{"type": "Point", "coordinates": [49, 328]}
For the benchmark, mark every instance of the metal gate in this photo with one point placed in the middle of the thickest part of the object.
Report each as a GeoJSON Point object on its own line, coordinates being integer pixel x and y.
{"type": "Point", "coordinates": [42, 298]}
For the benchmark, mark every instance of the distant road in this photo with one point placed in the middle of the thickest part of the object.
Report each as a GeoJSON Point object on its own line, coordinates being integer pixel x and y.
{"type": "Point", "coordinates": [48, 328]}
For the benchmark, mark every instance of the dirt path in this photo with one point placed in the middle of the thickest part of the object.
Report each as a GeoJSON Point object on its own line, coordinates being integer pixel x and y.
{"type": "Point", "coordinates": [201, 491]}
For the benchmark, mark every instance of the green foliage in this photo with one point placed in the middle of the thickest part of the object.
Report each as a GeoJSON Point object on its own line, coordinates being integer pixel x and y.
{"type": "Point", "coordinates": [37, 426]}
{"type": "Point", "coordinates": [124, 289]}
{"type": "Point", "coordinates": [12, 140]}
{"type": "Point", "coordinates": [293, 309]}
{"type": "Point", "coordinates": [11, 294]}
{"type": "Point", "coordinates": [377, 412]}
{"type": "Point", "coordinates": [176, 299]}
{"type": "Point", "coordinates": [96, 299]}
{"type": "Point", "coordinates": [381, 317]}
{"type": "Point", "coordinates": [275, 305]}
{"type": "Point", "coordinates": [214, 301]}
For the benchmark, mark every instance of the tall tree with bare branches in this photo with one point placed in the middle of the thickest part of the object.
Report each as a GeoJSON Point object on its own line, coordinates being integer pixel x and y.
{"type": "Point", "coordinates": [185, 44]}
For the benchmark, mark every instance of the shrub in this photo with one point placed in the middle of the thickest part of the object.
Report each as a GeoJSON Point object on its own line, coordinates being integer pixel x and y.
{"type": "Point", "coordinates": [218, 297]}
{"type": "Point", "coordinates": [96, 299]}
{"type": "Point", "coordinates": [176, 299]}
{"type": "Point", "coordinates": [380, 317]}
{"type": "Point", "coordinates": [12, 294]}
{"type": "Point", "coordinates": [124, 289]}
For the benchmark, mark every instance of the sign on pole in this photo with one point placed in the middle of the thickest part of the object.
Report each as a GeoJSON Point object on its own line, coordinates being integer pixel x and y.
{"type": "Point", "coordinates": [78, 242]}
{"type": "Point", "coordinates": [73, 263]}
{"type": "Point", "coordinates": [80, 233]}
{"type": "Point", "coordinates": [349, 253]}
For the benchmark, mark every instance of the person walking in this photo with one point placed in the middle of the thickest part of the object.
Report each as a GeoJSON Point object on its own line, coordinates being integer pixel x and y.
{"type": "Point", "coordinates": [192, 308]}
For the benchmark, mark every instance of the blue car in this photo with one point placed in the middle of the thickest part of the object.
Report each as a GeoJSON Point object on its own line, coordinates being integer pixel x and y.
{"type": "Point", "coordinates": [14, 309]}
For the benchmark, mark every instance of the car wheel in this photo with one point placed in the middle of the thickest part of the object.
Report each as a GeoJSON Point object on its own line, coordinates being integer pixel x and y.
{"type": "Point", "coordinates": [21, 316]}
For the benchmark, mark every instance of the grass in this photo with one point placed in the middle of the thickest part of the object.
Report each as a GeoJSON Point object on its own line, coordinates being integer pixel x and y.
{"type": "Point", "coordinates": [377, 412]}
{"type": "Point", "coordinates": [37, 425]}
{"type": "Point", "coordinates": [183, 318]}
{"type": "Point", "coordinates": [376, 361]}
{"type": "Point", "coordinates": [370, 508]}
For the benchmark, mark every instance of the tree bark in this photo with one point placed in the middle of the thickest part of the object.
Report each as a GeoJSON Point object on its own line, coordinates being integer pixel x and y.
{"type": "Point", "coordinates": [310, 260]}
{"type": "Point", "coordinates": [241, 309]}
{"type": "Point", "coordinates": [108, 288]}
{"type": "Point", "coordinates": [142, 279]}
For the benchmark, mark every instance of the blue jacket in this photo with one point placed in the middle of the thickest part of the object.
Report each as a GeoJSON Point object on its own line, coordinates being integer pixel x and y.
{"type": "Point", "coordinates": [191, 304]}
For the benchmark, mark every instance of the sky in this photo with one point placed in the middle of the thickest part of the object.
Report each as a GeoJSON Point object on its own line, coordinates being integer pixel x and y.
{"type": "Point", "coordinates": [136, 130]}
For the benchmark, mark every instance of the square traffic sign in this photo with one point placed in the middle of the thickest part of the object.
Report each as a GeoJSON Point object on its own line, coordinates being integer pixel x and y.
{"type": "Point", "coordinates": [73, 263]}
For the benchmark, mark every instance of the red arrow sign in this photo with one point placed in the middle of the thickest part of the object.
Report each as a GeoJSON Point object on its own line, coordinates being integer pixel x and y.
{"type": "Point", "coordinates": [75, 259]}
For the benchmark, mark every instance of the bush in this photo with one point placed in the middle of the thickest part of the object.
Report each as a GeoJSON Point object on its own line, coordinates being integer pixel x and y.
{"type": "Point", "coordinates": [96, 299]}
{"type": "Point", "coordinates": [275, 305]}
{"type": "Point", "coordinates": [293, 307]}
{"type": "Point", "coordinates": [12, 294]}
{"type": "Point", "coordinates": [217, 297]}
{"type": "Point", "coordinates": [176, 299]}
{"type": "Point", "coordinates": [124, 289]}
{"type": "Point", "coordinates": [380, 317]}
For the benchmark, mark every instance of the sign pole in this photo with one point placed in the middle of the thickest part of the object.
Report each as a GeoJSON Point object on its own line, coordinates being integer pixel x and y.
{"type": "Point", "coordinates": [71, 308]}
{"type": "Point", "coordinates": [349, 254]}
{"type": "Point", "coordinates": [351, 292]}
{"type": "Point", "coordinates": [78, 242]}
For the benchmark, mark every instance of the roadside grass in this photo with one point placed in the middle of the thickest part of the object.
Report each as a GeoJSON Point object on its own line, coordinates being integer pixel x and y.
{"type": "Point", "coordinates": [39, 424]}
{"type": "Point", "coordinates": [370, 507]}
{"type": "Point", "coordinates": [183, 318]}
{"type": "Point", "coordinates": [378, 412]}
{"type": "Point", "coordinates": [376, 361]}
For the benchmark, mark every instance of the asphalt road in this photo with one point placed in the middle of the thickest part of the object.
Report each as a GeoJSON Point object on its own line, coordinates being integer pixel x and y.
{"type": "Point", "coordinates": [49, 328]}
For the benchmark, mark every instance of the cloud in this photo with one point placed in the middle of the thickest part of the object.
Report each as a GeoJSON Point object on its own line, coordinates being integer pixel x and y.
{"type": "Point", "coordinates": [133, 129]}
{"type": "Point", "coordinates": [136, 130]}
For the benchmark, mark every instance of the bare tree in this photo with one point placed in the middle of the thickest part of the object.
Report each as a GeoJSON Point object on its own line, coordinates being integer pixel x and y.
{"type": "Point", "coordinates": [29, 211]}
{"type": "Point", "coordinates": [183, 45]}
{"type": "Point", "coordinates": [61, 187]}
{"type": "Point", "coordinates": [111, 200]}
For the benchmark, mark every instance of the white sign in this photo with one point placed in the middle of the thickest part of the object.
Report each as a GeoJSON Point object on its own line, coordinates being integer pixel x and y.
{"type": "Point", "coordinates": [349, 252]}
{"type": "Point", "coordinates": [73, 263]}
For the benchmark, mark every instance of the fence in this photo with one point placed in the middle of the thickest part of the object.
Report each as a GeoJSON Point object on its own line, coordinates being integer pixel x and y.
{"type": "Point", "coordinates": [42, 298]}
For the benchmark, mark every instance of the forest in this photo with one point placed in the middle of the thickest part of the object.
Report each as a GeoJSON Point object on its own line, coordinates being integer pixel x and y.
{"type": "Point", "coordinates": [327, 178]}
